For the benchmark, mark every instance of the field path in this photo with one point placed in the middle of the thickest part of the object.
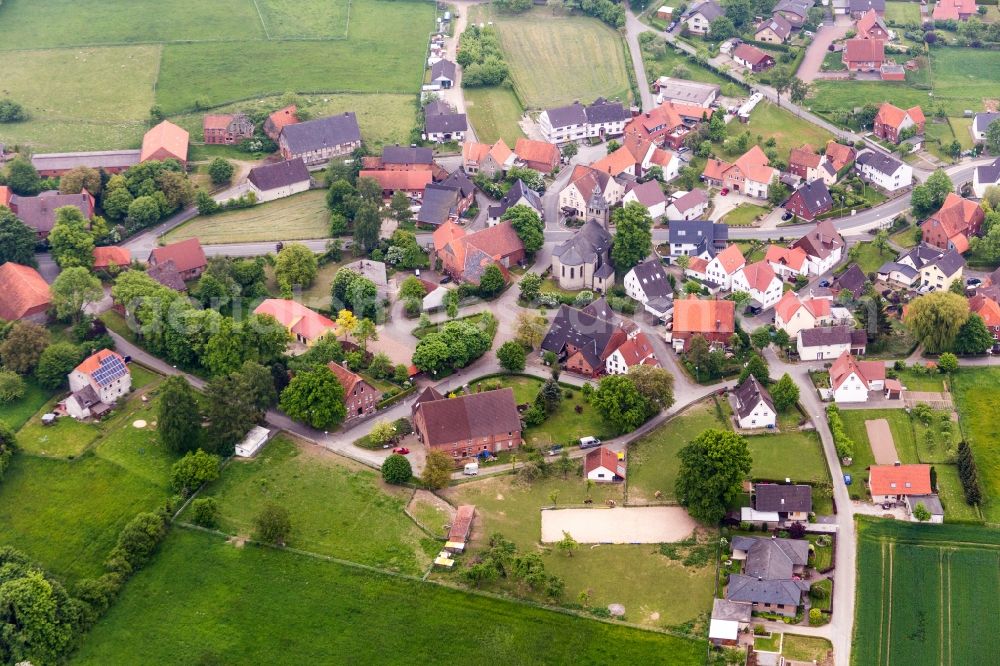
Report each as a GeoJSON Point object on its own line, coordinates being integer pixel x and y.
{"type": "Point", "coordinates": [633, 28]}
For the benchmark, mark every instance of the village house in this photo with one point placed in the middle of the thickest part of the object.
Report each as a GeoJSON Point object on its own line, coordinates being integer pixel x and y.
{"type": "Point", "coordinates": [827, 342]}
{"type": "Point", "coordinates": [839, 155]}
{"type": "Point", "coordinates": [892, 483]}
{"type": "Point", "coordinates": [403, 158]}
{"type": "Point", "coordinates": [111, 257]}
{"type": "Point", "coordinates": [772, 574]}
{"type": "Point", "coordinates": [187, 257]}
{"type": "Point", "coordinates": [981, 122]}
{"type": "Point", "coordinates": [871, 26]}
{"type": "Point", "coordinates": [864, 55]}
{"type": "Point", "coordinates": [444, 73]}
{"type": "Point", "coordinates": [602, 465]}
{"type": "Point", "coordinates": [53, 165]}
{"type": "Point", "coordinates": [278, 180]}
{"type": "Point", "coordinates": [647, 282]}
{"type": "Point", "coordinates": [226, 128]}
{"type": "Point", "coordinates": [699, 17]}
{"type": "Point", "coordinates": [985, 176]}
{"type": "Point", "coordinates": [753, 405]}
{"type": "Point", "coordinates": [579, 191]}
{"type": "Point", "coordinates": [687, 205]}
{"type": "Point", "coordinates": [774, 30]}
{"type": "Point", "coordinates": [805, 163]}
{"type": "Point", "coordinates": [892, 120]}
{"type": "Point", "coordinates": [793, 313]}
{"type": "Point", "coordinates": [96, 384]}
{"type": "Point", "coordinates": [26, 294]}
{"type": "Point", "coordinates": [541, 156]}
{"type": "Point", "coordinates": [444, 201]}
{"type": "Point", "coordinates": [954, 224]}
{"type": "Point", "coordinates": [989, 311]}
{"type": "Point", "coordinates": [607, 118]}
{"type": "Point", "coordinates": [853, 281]}
{"type": "Point", "coordinates": [375, 271]}
{"type": "Point", "coordinates": [318, 141]}
{"type": "Point", "coordinates": [760, 281]}
{"type": "Point", "coordinates": [787, 262]}
{"type": "Point", "coordinates": [489, 160]}
{"type": "Point", "coordinates": [697, 238]}
{"type": "Point", "coordinates": [750, 174]}
{"type": "Point", "coordinates": [954, 10]}
{"type": "Point", "coordinates": [884, 171]}
{"type": "Point", "coordinates": [465, 256]}
{"type": "Point", "coordinates": [723, 267]}
{"type": "Point", "coordinates": [810, 201]}
{"type": "Point", "coordinates": [39, 212]}
{"type": "Point", "coordinates": [585, 339]}
{"type": "Point", "coordinates": [465, 425]}
{"type": "Point", "coordinates": [851, 380]}
{"type": "Point", "coordinates": [280, 119]}
{"type": "Point", "coordinates": [794, 11]}
{"type": "Point", "coordinates": [713, 320]}
{"type": "Point", "coordinates": [729, 619]}
{"type": "Point", "coordinates": [824, 247]}
{"type": "Point", "coordinates": [635, 351]}
{"type": "Point", "coordinates": [410, 183]}
{"type": "Point", "coordinates": [302, 324]}
{"type": "Point", "coordinates": [667, 124]}
{"type": "Point", "coordinates": [649, 195]}
{"type": "Point", "coordinates": [164, 142]}
{"type": "Point", "coordinates": [601, 119]}
{"type": "Point", "coordinates": [360, 397]}
{"type": "Point", "coordinates": [519, 194]}
{"type": "Point", "coordinates": [445, 127]}
{"type": "Point", "coordinates": [751, 57]}
{"type": "Point", "coordinates": [858, 8]}
{"type": "Point", "coordinates": [688, 93]}
{"type": "Point", "coordinates": [792, 502]}
{"type": "Point", "coordinates": [924, 267]}
{"type": "Point", "coordinates": [583, 261]}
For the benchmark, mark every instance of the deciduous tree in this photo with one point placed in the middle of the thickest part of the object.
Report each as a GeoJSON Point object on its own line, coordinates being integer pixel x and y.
{"type": "Point", "coordinates": [80, 178]}
{"type": "Point", "coordinates": [74, 289]}
{"type": "Point", "coordinates": [295, 266]}
{"type": "Point", "coordinates": [530, 329]}
{"type": "Point", "coordinates": [273, 524]}
{"type": "Point", "coordinates": [633, 236]}
{"type": "Point", "coordinates": [194, 469]}
{"type": "Point", "coordinates": [528, 225]}
{"type": "Point", "coordinates": [973, 337]}
{"type": "Point", "coordinates": [619, 402]}
{"type": "Point", "coordinates": [437, 470]}
{"type": "Point", "coordinates": [396, 470]}
{"type": "Point", "coordinates": [936, 318]}
{"type": "Point", "coordinates": [55, 364]}
{"type": "Point", "coordinates": [784, 393]}
{"type": "Point", "coordinates": [655, 384]}
{"type": "Point", "coordinates": [23, 346]}
{"type": "Point", "coordinates": [17, 240]}
{"type": "Point", "coordinates": [511, 356]}
{"type": "Point", "coordinates": [367, 225]}
{"type": "Point", "coordinates": [316, 398]}
{"type": "Point", "coordinates": [221, 171]}
{"type": "Point", "coordinates": [491, 283]}
{"type": "Point", "coordinates": [72, 245]}
{"type": "Point", "coordinates": [713, 467]}
{"type": "Point", "coordinates": [178, 421]}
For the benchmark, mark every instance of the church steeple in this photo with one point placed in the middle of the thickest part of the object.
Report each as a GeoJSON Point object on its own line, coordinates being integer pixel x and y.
{"type": "Point", "coordinates": [597, 207]}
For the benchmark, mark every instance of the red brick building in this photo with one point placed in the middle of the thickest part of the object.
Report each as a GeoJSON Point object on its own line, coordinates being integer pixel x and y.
{"type": "Point", "coordinates": [538, 155]}
{"type": "Point", "coordinates": [26, 295]}
{"type": "Point", "coordinates": [714, 320]}
{"type": "Point", "coordinates": [187, 257]}
{"type": "Point", "coordinates": [226, 128]}
{"type": "Point", "coordinates": [280, 119]}
{"type": "Point", "coordinates": [953, 224]}
{"type": "Point", "coordinates": [864, 55]}
{"type": "Point", "coordinates": [360, 397]}
{"type": "Point", "coordinates": [891, 120]}
{"type": "Point", "coordinates": [466, 425]}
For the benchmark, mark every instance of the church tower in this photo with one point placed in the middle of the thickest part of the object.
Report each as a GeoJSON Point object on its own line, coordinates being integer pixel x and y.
{"type": "Point", "coordinates": [597, 208]}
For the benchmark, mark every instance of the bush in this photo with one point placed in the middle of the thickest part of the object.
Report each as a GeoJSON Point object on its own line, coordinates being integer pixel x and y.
{"type": "Point", "coordinates": [136, 542]}
{"type": "Point", "coordinates": [205, 512]}
{"type": "Point", "coordinates": [273, 524]}
{"type": "Point", "coordinates": [11, 386]}
{"type": "Point", "coordinates": [815, 617]}
{"type": "Point", "coordinates": [396, 470]}
{"type": "Point", "coordinates": [403, 426]}
{"type": "Point", "coordinates": [194, 469]}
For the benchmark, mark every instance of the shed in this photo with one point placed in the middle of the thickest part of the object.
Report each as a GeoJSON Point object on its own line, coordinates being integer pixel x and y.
{"type": "Point", "coordinates": [253, 442]}
{"type": "Point", "coordinates": [462, 524]}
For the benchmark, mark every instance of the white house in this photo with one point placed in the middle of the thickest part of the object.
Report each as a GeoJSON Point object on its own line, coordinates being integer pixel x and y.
{"type": "Point", "coordinates": [281, 179]}
{"type": "Point", "coordinates": [792, 314]}
{"type": "Point", "coordinates": [985, 176]}
{"type": "Point", "coordinates": [980, 123]}
{"type": "Point", "coordinates": [787, 262]}
{"type": "Point", "coordinates": [583, 182]}
{"type": "Point", "coordinates": [601, 119]}
{"type": "Point", "coordinates": [761, 282]}
{"type": "Point", "coordinates": [604, 466]}
{"type": "Point", "coordinates": [699, 18]}
{"type": "Point", "coordinates": [891, 483]}
{"type": "Point", "coordinates": [649, 195]}
{"type": "Point", "coordinates": [696, 238]}
{"type": "Point", "coordinates": [884, 171]}
{"type": "Point", "coordinates": [824, 248]}
{"type": "Point", "coordinates": [634, 351]}
{"type": "Point", "coordinates": [724, 266]}
{"type": "Point", "coordinates": [688, 205]}
{"type": "Point", "coordinates": [647, 281]}
{"type": "Point", "coordinates": [96, 384]}
{"type": "Point", "coordinates": [826, 342]}
{"type": "Point", "coordinates": [849, 382]}
{"type": "Point", "coordinates": [754, 407]}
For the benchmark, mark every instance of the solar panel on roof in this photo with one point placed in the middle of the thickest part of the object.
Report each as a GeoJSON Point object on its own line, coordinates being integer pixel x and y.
{"type": "Point", "coordinates": [111, 368]}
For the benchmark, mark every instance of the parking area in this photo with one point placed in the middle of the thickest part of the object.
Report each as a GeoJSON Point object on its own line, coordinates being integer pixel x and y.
{"type": "Point", "coordinates": [636, 524]}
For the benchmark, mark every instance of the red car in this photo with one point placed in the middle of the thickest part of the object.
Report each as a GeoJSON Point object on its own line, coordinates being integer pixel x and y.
{"type": "Point", "coordinates": [402, 450]}
{"type": "Point", "coordinates": [725, 191]}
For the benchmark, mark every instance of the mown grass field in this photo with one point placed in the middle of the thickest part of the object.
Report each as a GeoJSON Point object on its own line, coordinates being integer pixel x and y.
{"type": "Point", "coordinates": [976, 395]}
{"type": "Point", "coordinates": [305, 18]}
{"type": "Point", "coordinates": [789, 131]}
{"type": "Point", "coordinates": [926, 594]}
{"type": "Point", "coordinates": [323, 612]}
{"type": "Point", "coordinates": [298, 217]}
{"type": "Point", "coordinates": [744, 215]}
{"type": "Point", "coordinates": [337, 507]}
{"type": "Point", "coordinates": [494, 114]}
{"type": "Point", "coordinates": [17, 413]}
{"type": "Point", "coordinates": [903, 12]}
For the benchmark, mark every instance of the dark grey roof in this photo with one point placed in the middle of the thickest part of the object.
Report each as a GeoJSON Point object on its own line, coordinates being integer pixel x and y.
{"type": "Point", "coordinates": [87, 397]}
{"type": "Point", "coordinates": [931, 502]}
{"type": "Point", "coordinates": [695, 197]}
{"type": "Point", "coordinates": [438, 204]}
{"type": "Point", "coordinates": [437, 107]}
{"type": "Point", "coordinates": [748, 395]}
{"type": "Point", "coordinates": [513, 196]}
{"type": "Point", "coordinates": [989, 173]}
{"type": "Point", "coordinates": [865, 5]}
{"type": "Point", "coordinates": [652, 279]}
{"type": "Point", "coordinates": [591, 242]}
{"type": "Point", "coordinates": [322, 133]}
{"type": "Point", "coordinates": [783, 497]}
{"type": "Point", "coordinates": [279, 174]}
{"type": "Point", "coordinates": [564, 116]}
{"type": "Point", "coordinates": [603, 111]}
{"type": "Point", "coordinates": [709, 9]}
{"type": "Point", "coordinates": [859, 338]}
{"type": "Point", "coordinates": [166, 273]}
{"type": "Point", "coordinates": [826, 335]}
{"type": "Point", "coordinates": [778, 24]}
{"type": "Point", "coordinates": [443, 69]}
{"type": "Point", "coordinates": [445, 122]}
{"type": "Point", "coordinates": [853, 280]}
{"type": "Point", "coordinates": [604, 271]}
{"type": "Point", "coordinates": [459, 181]}
{"type": "Point", "coordinates": [879, 161]}
{"type": "Point", "coordinates": [39, 212]}
{"type": "Point", "coordinates": [724, 609]}
{"type": "Point", "coordinates": [893, 266]}
{"type": "Point", "coordinates": [407, 155]}
{"type": "Point", "coordinates": [772, 559]}
{"type": "Point", "coordinates": [950, 262]}
{"type": "Point", "coordinates": [103, 159]}
{"type": "Point", "coordinates": [581, 329]}
{"type": "Point", "coordinates": [822, 241]}
{"type": "Point", "coordinates": [797, 7]}
{"type": "Point", "coordinates": [784, 592]}
{"type": "Point", "coordinates": [704, 234]}
{"type": "Point", "coordinates": [815, 196]}
{"type": "Point", "coordinates": [980, 123]}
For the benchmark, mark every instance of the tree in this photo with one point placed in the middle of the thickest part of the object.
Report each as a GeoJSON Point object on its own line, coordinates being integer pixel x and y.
{"type": "Point", "coordinates": [570, 150]}
{"type": "Point", "coordinates": [12, 112]}
{"type": "Point", "coordinates": [881, 241]}
{"type": "Point", "coordinates": [784, 393]}
{"type": "Point", "coordinates": [781, 81]}
{"type": "Point", "coordinates": [143, 211]}
{"type": "Point", "coordinates": [346, 323]}
{"type": "Point", "coordinates": [11, 387]}
{"type": "Point", "coordinates": [17, 240]}
{"type": "Point", "coordinates": [338, 196]}
{"type": "Point", "coordinates": [382, 433]}
{"type": "Point", "coordinates": [72, 245]}
{"type": "Point", "coordinates": [549, 396]}
{"type": "Point", "coordinates": [781, 338]}
{"type": "Point", "coordinates": [491, 282]}
{"type": "Point", "coordinates": [777, 192]}
{"type": "Point", "coordinates": [717, 128]}
{"type": "Point", "coordinates": [80, 178]}
{"type": "Point", "coordinates": [74, 289]}
{"type": "Point", "coordinates": [437, 470]}
{"type": "Point", "coordinates": [873, 316]}
{"type": "Point", "coordinates": [117, 200]}
{"type": "Point", "coordinates": [711, 474]}
{"type": "Point", "coordinates": [511, 356]}
{"type": "Point", "coordinates": [654, 384]}
{"type": "Point", "coordinates": [529, 329]}
{"type": "Point", "coordinates": [973, 337]}
{"type": "Point", "coordinates": [567, 544]}
{"type": "Point", "coordinates": [365, 331]}
{"type": "Point", "coordinates": [936, 318]}
{"type": "Point", "coordinates": [316, 398]}
{"type": "Point", "coordinates": [233, 404]}
{"type": "Point", "coordinates": [993, 137]}
{"type": "Point", "coordinates": [273, 524]}
{"type": "Point", "coordinates": [757, 367]}
{"type": "Point", "coordinates": [722, 28]}
{"type": "Point", "coordinates": [22, 177]}
{"type": "Point", "coordinates": [633, 236]}
{"type": "Point", "coordinates": [530, 286]}
{"type": "Point", "coordinates": [412, 287]}
{"type": "Point", "coordinates": [362, 298]}
{"type": "Point", "coordinates": [928, 197]}
{"type": "Point", "coordinates": [921, 513]}
{"type": "Point", "coordinates": [451, 303]}
{"type": "Point", "coordinates": [221, 171]}
{"type": "Point", "coordinates": [178, 421]}
{"type": "Point", "coordinates": [194, 469]}
{"type": "Point", "coordinates": [295, 266]}
{"type": "Point", "coordinates": [40, 619]}
{"type": "Point", "coordinates": [367, 225]}
{"type": "Point", "coordinates": [205, 512]}
{"type": "Point", "coordinates": [799, 90]}
{"type": "Point", "coordinates": [396, 470]}
{"type": "Point", "coordinates": [528, 225]}
{"type": "Point", "coordinates": [619, 402]}
{"type": "Point", "coordinates": [23, 346]}
{"type": "Point", "coordinates": [55, 364]}
{"type": "Point", "coordinates": [400, 207]}
{"type": "Point", "coordinates": [948, 362]}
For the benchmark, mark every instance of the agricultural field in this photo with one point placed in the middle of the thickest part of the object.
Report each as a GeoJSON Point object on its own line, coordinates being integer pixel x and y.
{"type": "Point", "coordinates": [976, 397]}
{"type": "Point", "coordinates": [294, 18]}
{"type": "Point", "coordinates": [337, 507]}
{"type": "Point", "coordinates": [769, 121]}
{"type": "Point", "coordinates": [943, 618]}
{"type": "Point", "coordinates": [322, 612]}
{"type": "Point", "coordinates": [299, 217]}
{"type": "Point", "coordinates": [494, 114]}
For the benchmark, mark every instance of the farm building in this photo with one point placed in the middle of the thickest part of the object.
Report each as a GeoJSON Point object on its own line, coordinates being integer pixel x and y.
{"type": "Point", "coordinates": [278, 180]}
{"type": "Point", "coordinates": [26, 293]}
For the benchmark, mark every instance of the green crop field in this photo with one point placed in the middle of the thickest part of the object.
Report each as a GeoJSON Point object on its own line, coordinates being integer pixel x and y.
{"type": "Point", "coordinates": [494, 114]}
{"type": "Point", "coordinates": [926, 594]}
{"type": "Point", "coordinates": [976, 395]}
{"type": "Point", "coordinates": [305, 18]}
{"type": "Point", "coordinates": [323, 612]}
{"type": "Point", "coordinates": [298, 217]}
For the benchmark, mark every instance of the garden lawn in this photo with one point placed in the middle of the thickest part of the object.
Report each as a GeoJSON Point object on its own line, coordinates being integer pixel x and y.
{"type": "Point", "coordinates": [796, 455]}
{"type": "Point", "coordinates": [322, 612]}
{"type": "Point", "coordinates": [899, 425]}
{"type": "Point", "coordinates": [142, 376]}
{"type": "Point", "coordinates": [494, 114]}
{"type": "Point", "coordinates": [914, 381]}
{"type": "Point", "coordinates": [822, 604]}
{"type": "Point", "coordinates": [767, 644]}
{"type": "Point", "coordinates": [902, 12]}
{"type": "Point", "coordinates": [788, 130]}
{"type": "Point", "coordinates": [976, 395]}
{"type": "Point", "coordinates": [653, 461]}
{"type": "Point", "coordinates": [870, 259]}
{"type": "Point", "coordinates": [745, 248]}
{"type": "Point", "coordinates": [17, 413]}
{"type": "Point", "coordinates": [908, 237]}
{"type": "Point", "coordinates": [963, 77]}
{"type": "Point", "coordinates": [663, 64]}
{"type": "Point", "coordinates": [949, 488]}
{"type": "Point", "coordinates": [76, 109]}
{"type": "Point", "coordinates": [337, 508]}
{"type": "Point", "coordinates": [66, 438]}
{"type": "Point", "coordinates": [805, 648]}
{"type": "Point", "coordinates": [744, 215]}
{"type": "Point", "coordinates": [298, 217]}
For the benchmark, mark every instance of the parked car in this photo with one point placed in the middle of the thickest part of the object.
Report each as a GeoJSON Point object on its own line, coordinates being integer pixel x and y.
{"type": "Point", "coordinates": [786, 216]}
{"type": "Point", "coordinates": [673, 24]}
{"type": "Point", "coordinates": [752, 310]}
{"type": "Point", "coordinates": [824, 283]}
{"type": "Point", "coordinates": [555, 450]}
{"type": "Point", "coordinates": [401, 450]}
{"type": "Point", "coordinates": [445, 280]}
{"type": "Point", "coordinates": [725, 191]}
{"type": "Point", "coordinates": [973, 282]}
{"type": "Point", "coordinates": [471, 469]}
{"type": "Point", "coordinates": [589, 442]}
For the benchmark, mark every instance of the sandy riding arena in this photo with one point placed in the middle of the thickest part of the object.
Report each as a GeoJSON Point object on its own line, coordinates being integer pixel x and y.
{"type": "Point", "coordinates": [880, 437]}
{"type": "Point", "coordinates": [639, 524]}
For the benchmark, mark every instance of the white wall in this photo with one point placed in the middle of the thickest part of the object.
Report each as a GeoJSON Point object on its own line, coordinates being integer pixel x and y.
{"type": "Point", "coordinates": [823, 353]}
{"type": "Point", "coordinates": [761, 417]}
{"type": "Point", "coordinates": [278, 192]}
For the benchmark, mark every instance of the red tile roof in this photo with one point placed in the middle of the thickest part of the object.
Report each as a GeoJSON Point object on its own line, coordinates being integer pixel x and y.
{"type": "Point", "coordinates": [900, 479]}
{"type": "Point", "coordinates": [24, 291]}
{"type": "Point", "coordinates": [957, 214]}
{"type": "Point", "coordinates": [731, 259]}
{"type": "Point", "coordinates": [986, 308]}
{"type": "Point", "coordinates": [759, 275]}
{"type": "Point", "coordinates": [283, 117]}
{"type": "Point", "coordinates": [5, 196]}
{"type": "Point", "coordinates": [616, 163]}
{"type": "Point", "coordinates": [869, 21]}
{"type": "Point", "coordinates": [805, 156]}
{"type": "Point", "coordinates": [92, 363]}
{"type": "Point", "coordinates": [461, 525]}
{"type": "Point", "coordinates": [186, 255]}
{"type": "Point", "coordinates": [692, 315]}
{"type": "Point", "coordinates": [346, 378]}
{"type": "Point", "coordinates": [112, 254]}
{"type": "Point", "coordinates": [894, 116]}
{"type": "Point", "coordinates": [846, 365]}
{"type": "Point", "coordinates": [786, 307]}
{"type": "Point", "coordinates": [217, 121]}
{"type": "Point", "coordinates": [753, 164]}
{"type": "Point", "coordinates": [164, 141]}
{"type": "Point", "coordinates": [412, 181]}
{"type": "Point", "coordinates": [296, 317]}
{"type": "Point", "coordinates": [864, 50]}
{"type": "Point", "coordinates": [794, 257]}
{"type": "Point", "coordinates": [537, 151]}
{"type": "Point", "coordinates": [953, 10]}
{"type": "Point", "coordinates": [601, 457]}
{"type": "Point", "coordinates": [839, 155]}
{"type": "Point", "coordinates": [749, 53]}
{"type": "Point", "coordinates": [636, 350]}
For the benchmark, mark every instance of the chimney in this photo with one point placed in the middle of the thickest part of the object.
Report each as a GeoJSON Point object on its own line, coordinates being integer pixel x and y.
{"type": "Point", "coordinates": [782, 501]}
{"type": "Point", "coordinates": [896, 464]}
{"type": "Point", "coordinates": [788, 480]}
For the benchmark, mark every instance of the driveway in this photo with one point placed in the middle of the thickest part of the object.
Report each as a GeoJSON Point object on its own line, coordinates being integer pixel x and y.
{"type": "Point", "coordinates": [826, 35]}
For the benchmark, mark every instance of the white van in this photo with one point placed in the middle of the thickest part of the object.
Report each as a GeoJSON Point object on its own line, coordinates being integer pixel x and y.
{"type": "Point", "coordinates": [471, 469]}
{"type": "Point", "coordinates": [589, 442]}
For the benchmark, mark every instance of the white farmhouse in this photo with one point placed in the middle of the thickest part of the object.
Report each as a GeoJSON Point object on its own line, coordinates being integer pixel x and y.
{"type": "Point", "coordinates": [96, 384]}
{"type": "Point", "coordinates": [603, 466]}
{"type": "Point", "coordinates": [818, 344]}
{"type": "Point", "coordinates": [754, 407]}
{"type": "Point", "coordinates": [824, 248]}
{"type": "Point", "coordinates": [760, 281]}
{"type": "Point", "coordinates": [851, 380]}
{"type": "Point", "coordinates": [884, 171]}
{"type": "Point", "coordinates": [281, 179]}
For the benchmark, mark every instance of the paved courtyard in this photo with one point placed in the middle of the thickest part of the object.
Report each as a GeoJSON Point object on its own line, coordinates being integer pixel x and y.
{"type": "Point", "coordinates": [637, 524]}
